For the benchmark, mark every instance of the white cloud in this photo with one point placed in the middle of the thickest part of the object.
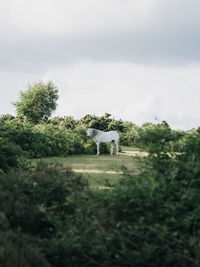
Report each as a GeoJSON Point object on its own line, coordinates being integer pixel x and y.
{"type": "Point", "coordinates": [132, 92]}
{"type": "Point", "coordinates": [148, 107]}
{"type": "Point", "coordinates": [75, 17]}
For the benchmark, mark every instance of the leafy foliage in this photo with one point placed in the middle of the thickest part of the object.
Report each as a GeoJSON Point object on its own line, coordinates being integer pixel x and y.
{"type": "Point", "coordinates": [33, 205]}
{"type": "Point", "coordinates": [37, 102]}
{"type": "Point", "coordinates": [51, 138]}
{"type": "Point", "coordinates": [11, 156]}
{"type": "Point", "coordinates": [148, 219]}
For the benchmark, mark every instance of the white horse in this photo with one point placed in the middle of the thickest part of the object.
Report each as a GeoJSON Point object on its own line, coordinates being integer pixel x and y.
{"type": "Point", "coordinates": [104, 137]}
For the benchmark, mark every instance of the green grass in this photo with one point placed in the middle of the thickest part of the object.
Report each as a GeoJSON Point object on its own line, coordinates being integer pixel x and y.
{"type": "Point", "coordinates": [103, 169]}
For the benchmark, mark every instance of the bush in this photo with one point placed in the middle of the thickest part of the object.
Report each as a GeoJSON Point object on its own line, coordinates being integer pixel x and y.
{"type": "Point", "coordinates": [158, 215]}
{"type": "Point", "coordinates": [11, 156]}
{"type": "Point", "coordinates": [34, 206]}
{"type": "Point", "coordinates": [46, 139]}
{"type": "Point", "coordinates": [17, 249]}
{"type": "Point", "coordinates": [92, 121]}
{"type": "Point", "coordinates": [62, 136]}
{"type": "Point", "coordinates": [28, 197]}
{"type": "Point", "coordinates": [136, 224]}
{"type": "Point", "coordinates": [130, 134]}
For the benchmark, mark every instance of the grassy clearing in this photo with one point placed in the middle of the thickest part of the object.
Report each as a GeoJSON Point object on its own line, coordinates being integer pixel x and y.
{"type": "Point", "coordinates": [101, 170]}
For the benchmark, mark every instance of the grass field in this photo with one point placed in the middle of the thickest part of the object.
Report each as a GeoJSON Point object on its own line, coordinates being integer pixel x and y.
{"type": "Point", "coordinates": [99, 170]}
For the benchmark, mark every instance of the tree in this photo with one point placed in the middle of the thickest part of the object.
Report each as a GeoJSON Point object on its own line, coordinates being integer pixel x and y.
{"type": "Point", "coordinates": [37, 102]}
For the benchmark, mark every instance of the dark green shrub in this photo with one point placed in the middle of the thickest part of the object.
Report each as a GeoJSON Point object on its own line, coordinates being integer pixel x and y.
{"type": "Point", "coordinates": [154, 134]}
{"type": "Point", "coordinates": [130, 134]}
{"type": "Point", "coordinates": [93, 121]}
{"type": "Point", "coordinates": [36, 144]}
{"type": "Point", "coordinates": [34, 208]}
{"type": "Point", "coordinates": [30, 198]}
{"type": "Point", "coordinates": [17, 249]}
{"type": "Point", "coordinates": [11, 156]}
{"type": "Point", "coordinates": [26, 136]}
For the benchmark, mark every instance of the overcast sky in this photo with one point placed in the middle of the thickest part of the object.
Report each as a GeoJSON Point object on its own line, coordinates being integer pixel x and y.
{"type": "Point", "coordinates": [135, 59]}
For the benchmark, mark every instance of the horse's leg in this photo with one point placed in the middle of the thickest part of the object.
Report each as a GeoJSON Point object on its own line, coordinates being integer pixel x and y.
{"type": "Point", "coordinates": [98, 148]}
{"type": "Point", "coordinates": [112, 147]}
{"type": "Point", "coordinates": [117, 147]}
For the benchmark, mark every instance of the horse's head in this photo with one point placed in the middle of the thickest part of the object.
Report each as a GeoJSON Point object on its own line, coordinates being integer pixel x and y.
{"type": "Point", "coordinates": [91, 132]}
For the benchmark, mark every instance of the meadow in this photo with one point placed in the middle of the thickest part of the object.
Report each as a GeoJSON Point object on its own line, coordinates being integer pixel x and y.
{"type": "Point", "coordinates": [103, 170]}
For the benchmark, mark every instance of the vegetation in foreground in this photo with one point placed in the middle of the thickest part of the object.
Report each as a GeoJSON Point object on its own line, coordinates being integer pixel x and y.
{"type": "Point", "coordinates": [50, 216]}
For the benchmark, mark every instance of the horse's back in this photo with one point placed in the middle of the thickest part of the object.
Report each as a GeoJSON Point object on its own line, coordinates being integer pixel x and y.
{"type": "Point", "coordinates": [110, 136]}
{"type": "Point", "coordinates": [115, 133]}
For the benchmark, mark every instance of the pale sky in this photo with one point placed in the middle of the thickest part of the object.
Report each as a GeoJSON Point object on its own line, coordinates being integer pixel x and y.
{"type": "Point", "coordinates": [135, 59]}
